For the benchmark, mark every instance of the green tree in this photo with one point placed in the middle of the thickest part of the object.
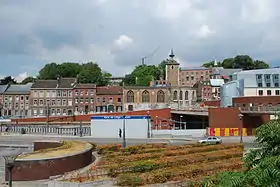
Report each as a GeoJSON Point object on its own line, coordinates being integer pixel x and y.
{"type": "Point", "coordinates": [162, 69]}
{"type": "Point", "coordinates": [69, 69]}
{"type": "Point", "coordinates": [211, 64]}
{"type": "Point", "coordinates": [228, 63]}
{"type": "Point", "coordinates": [7, 80]}
{"type": "Point", "coordinates": [92, 73]}
{"type": "Point", "coordinates": [142, 75]}
{"type": "Point", "coordinates": [28, 79]}
{"type": "Point", "coordinates": [49, 71]}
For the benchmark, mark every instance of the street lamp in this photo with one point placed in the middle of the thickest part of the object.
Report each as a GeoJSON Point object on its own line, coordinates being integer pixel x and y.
{"type": "Point", "coordinates": [9, 165]}
{"type": "Point", "coordinates": [241, 129]}
{"type": "Point", "coordinates": [148, 113]}
{"type": "Point", "coordinates": [157, 122]}
{"type": "Point", "coordinates": [181, 121]}
{"type": "Point", "coordinates": [124, 139]}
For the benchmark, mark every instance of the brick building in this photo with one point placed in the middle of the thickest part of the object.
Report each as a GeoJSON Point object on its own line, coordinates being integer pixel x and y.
{"type": "Point", "coordinates": [190, 76]}
{"type": "Point", "coordinates": [109, 99]}
{"type": "Point", "coordinates": [52, 97]}
{"type": "Point", "coordinates": [3, 88]}
{"type": "Point", "coordinates": [16, 100]}
{"type": "Point", "coordinates": [84, 98]}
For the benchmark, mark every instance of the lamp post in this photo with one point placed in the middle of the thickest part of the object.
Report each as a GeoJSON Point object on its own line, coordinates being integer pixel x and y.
{"type": "Point", "coordinates": [124, 139]}
{"type": "Point", "coordinates": [241, 129]}
{"type": "Point", "coordinates": [148, 134]}
{"type": "Point", "coordinates": [181, 121]}
{"type": "Point", "coordinates": [9, 165]}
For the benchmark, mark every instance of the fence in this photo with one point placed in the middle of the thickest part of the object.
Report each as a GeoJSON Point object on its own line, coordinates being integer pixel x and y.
{"type": "Point", "coordinates": [44, 129]}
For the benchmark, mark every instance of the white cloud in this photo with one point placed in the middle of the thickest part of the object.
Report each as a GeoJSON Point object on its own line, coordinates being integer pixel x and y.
{"type": "Point", "coordinates": [121, 43]}
{"type": "Point", "coordinates": [21, 76]}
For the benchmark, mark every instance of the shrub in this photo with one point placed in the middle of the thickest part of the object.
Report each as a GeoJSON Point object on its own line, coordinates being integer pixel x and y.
{"type": "Point", "coordinates": [129, 180]}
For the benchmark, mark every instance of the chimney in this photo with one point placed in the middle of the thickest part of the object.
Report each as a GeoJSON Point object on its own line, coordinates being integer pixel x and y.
{"type": "Point", "coordinates": [58, 79]}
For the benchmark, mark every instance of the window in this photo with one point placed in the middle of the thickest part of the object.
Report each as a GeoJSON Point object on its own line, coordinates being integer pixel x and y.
{"type": "Point", "coordinates": [259, 77]}
{"type": "Point", "coordinates": [268, 92]}
{"type": "Point", "coordinates": [48, 94]}
{"type": "Point", "coordinates": [186, 95]}
{"type": "Point", "coordinates": [58, 102]}
{"type": "Point", "coordinates": [260, 85]}
{"type": "Point", "coordinates": [53, 93]}
{"type": "Point", "coordinates": [145, 97]}
{"type": "Point", "coordinates": [98, 99]}
{"type": "Point", "coordinates": [41, 94]}
{"type": "Point", "coordinates": [21, 98]}
{"type": "Point", "coordinates": [35, 102]}
{"type": "Point", "coordinates": [91, 100]}
{"type": "Point", "coordinates": [64, 111]}
{"type": "Point", "coordinates": [41, 102]}
{"type": "Point", "coordinates": [53, 102]}
{"type": "Point", "coordinates": [192, 78]}
{"type": "Point", "coordinates": [277, 92]}
{"type": "Point", "coordinates": [77, 92]}
{"type": "Point", "coordinates": [267, 76]}
{"type": "Point", "coordinates": [76, 100]}
{"type": "Point", "coordinates": [86, 92]}
{"type": "Point", "coordinates": [119, 99]}
{"type": "Point", "coordinates": [86, 100]}
{"type": "Point", "coordinates": [276, 77]}
{"type": "Point", "coordinates": [35, 94]}
{"type": "Point", "coordinates": [181, 95]}
{"type": "Point", "coordinates": [276, 84]}
{"type": "Point", "coordinates": [130, 97]}
{"type": "Point", "coordinates": [268, 85]}
{"type": "Point", "coordinates": [187, 78]}
{"type": "Point", "coordinates": [58, 111]}
{"type": "Point", "coordinates": [91, 92]}
{"type": "Point", "coordinates": [58, 94]}
{"type": "Point", "coordinates": [260, 92]}
{"type": "Point", "coordinates": [64, 94]}
{"type": "Point", "coordinates": [160, 96]}
{"type": "Point", "coordinates": [64, 102]}
{"type": "Point", "coordinates": [69, 93]}
{"type": "Point", "coordinates": [103, 99]}
{"type": "Point", "coordinates": [175, 95]}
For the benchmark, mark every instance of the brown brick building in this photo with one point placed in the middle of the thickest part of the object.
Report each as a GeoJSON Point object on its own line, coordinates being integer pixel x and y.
{"type": "Point", "coordinates": [52, 97]}
{"type": "Point", "coordinates": [109, 99]}
{"type": "Point", "coordinates": [84, 98]}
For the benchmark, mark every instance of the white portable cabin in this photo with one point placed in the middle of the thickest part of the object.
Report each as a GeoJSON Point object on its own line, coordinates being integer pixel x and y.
{"type": "Point", "coordinates": [109, 126]}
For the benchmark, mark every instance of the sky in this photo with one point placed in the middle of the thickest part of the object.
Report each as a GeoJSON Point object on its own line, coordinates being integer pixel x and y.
{"type": "Point", "coordinates": [118, 33]}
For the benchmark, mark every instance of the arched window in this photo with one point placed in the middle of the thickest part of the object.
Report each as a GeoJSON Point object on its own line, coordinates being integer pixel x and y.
{"type": "Point", "coordinates": [193, 94]}
{"type": "Point", "coordinates": [130, 96]}
{"type": "Point", "coordinates": [145, 97]}
{"type": "Point", "coordinates": [186, 95]}
{"type": "Point", "coordinates": [181, 95]}
{"type": "Point", "coordinates": [160, 96]}
{"type": "Point", "coordinates": [175, 95]}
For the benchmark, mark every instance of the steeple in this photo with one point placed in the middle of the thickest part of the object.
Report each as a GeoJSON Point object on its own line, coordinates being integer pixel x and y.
{"type": "Point", "coordinates": [171, 54]}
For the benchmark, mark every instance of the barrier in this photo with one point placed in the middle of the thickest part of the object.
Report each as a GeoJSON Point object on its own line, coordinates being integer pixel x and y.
{"type": "Point", "coordinates": [230, 132]}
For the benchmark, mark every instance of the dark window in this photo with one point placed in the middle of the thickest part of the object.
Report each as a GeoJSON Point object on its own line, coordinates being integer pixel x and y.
{"type": "Point", "coordinates": [259, 76]}
{"type": "Point", "coordinates": [103, 99]}
{"type": "Point", "coordinates": [160, 96]}
{"type": "Point", "coordinates": [119, 99]}
{"type": "Point", "coordinates": [260, 92]}
{"type": "Point", "coordinates": [145, 97]}
{"type": "Point", "coordinates": [276, 84]}
{"type": "Point", "coordinates": [130, 97]}
{"type": "Point", "coordinates": [260, 85]}
{"type": "Point", "coordinates": [268, 85]}
{"type": "Point", "coordinates": [268, 92]}
{"type": "Point", "coordinates": [277, 92]}
{"type": "Point", "coordinates": [98, 99]}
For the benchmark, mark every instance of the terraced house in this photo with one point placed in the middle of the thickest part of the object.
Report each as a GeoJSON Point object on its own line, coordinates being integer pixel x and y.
{"type": "Point", "coordinates": [16, 100]}
{"type": "Point", "coordinates": [52, 97]}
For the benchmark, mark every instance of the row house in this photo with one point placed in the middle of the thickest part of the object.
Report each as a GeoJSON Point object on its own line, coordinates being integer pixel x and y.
{"type": "Point", "coordinates": [3, 88]}
{"type": "Point", "coordinates": [52, 97]}
{"type": "Point", "coordinates": [16, 100]}
{"type": "Point", "coordinates": [109, 99]}
{"type": "Point", "coordinates": [84, 98]}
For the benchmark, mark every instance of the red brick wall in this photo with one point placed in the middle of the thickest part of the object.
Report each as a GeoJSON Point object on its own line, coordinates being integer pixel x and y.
{"type": "Point", "coordinates": [274, 100]}
{"type": "Point", "coordinates": [228, 118]}
{"type": "Point", "coordinates": [215, 103]}
{"type": "Point", "coordinates": [46, 145]}
{"type": "Point", "coordinates": [161, 113]}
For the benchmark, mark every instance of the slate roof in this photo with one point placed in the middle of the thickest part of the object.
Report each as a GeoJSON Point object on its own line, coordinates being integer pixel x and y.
{"type": "Point", "coordinates": [224, 72]}
{"type": "Point", "coordinates": [19, 89]}
{"type": "Point", "coordinates": [53, 84]}
{"type": "Point", "coordinates": [89, 86]}
{"type": "Point", "coordinates": [109, 90]}
{"type": "Point", "coordinates": [193, 68]}
{"type": "Point", "coordinates": [261, 71]}
{"type": "Point", "coordinates": [3, 88]}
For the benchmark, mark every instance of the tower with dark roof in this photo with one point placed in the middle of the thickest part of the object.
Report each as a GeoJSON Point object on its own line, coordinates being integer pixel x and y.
{"type": "Point", "coordinates": [172, 70]}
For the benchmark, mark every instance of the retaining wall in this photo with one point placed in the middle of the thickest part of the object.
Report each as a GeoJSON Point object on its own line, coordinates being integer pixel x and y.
{"type": "Point", "coordinates": [39, 169]}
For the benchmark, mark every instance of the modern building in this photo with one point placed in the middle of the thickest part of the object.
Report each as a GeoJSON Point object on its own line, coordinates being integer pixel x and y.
{"type": "Point", "coordinates": [16, 100]}
{"type": "Point", "coordinates": [52, 97]}
{"type": "Point", "coordinates": [261, 82]}
{"type": "Point", "coordinates": [109, 99]}
{"type": "Point", "coordinates": [216, 88]}
{"type": "Point", "coordinates": [84, 98]}
{"type": "Point", "coordinates": [221, 73]}
{"type": "Point", "coordinates": [231, 90]}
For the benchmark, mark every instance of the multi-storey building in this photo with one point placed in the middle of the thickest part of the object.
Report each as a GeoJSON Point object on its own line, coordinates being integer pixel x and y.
{"type": "Point", "coordinates": [84, 98]}
{"type": "Point", "coordinates": [3, 88]}
{"type": "Point", "coordinates": [16, 100]}
{"type": "Point", "coordinates": [190, 76]}
{"type": "Point", "coordinates": [109, 99]}
{"type": "Point", "coordinates": [203, 90]}
{"type": "Point", "coordinates": [52, 97]}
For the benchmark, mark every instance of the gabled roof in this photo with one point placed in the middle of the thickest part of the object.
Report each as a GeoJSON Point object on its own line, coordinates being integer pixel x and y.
{"type": "Point", "coordinates": [53, 84]}
{"type": "Point", "coordinates": [109, 90]}
{"type": "Point", "coordinates": [19, 88]}
{"type": "Point", "coordinates": [3, 88]}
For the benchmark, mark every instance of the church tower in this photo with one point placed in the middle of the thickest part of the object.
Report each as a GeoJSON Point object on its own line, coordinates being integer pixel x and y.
{"type": "Point", "coordinates": [172, 70]}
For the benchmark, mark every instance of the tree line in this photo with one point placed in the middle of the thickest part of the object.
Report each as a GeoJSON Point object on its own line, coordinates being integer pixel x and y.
{"type": "Point", "coordinates": [141, 75]}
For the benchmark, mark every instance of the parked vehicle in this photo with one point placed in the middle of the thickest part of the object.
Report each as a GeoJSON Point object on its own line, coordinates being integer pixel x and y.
{"type": "Point", "coordinates": [210, 140]}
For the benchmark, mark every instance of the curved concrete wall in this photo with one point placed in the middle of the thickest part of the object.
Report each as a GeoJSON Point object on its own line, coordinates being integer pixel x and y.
{"type": "Point", "coordinates": [39, 169]}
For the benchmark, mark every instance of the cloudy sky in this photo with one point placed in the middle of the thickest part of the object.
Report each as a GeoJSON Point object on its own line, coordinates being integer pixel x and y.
{"type": "Point", "coordinates": [117, 33]}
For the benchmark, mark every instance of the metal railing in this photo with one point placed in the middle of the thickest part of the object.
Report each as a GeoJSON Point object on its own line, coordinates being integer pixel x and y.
{"type": "Point", "coordinates": [260, 109]}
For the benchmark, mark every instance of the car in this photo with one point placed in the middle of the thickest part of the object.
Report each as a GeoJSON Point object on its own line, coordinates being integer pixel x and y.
{"type": "Point", "coordinates": [211, 140]}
